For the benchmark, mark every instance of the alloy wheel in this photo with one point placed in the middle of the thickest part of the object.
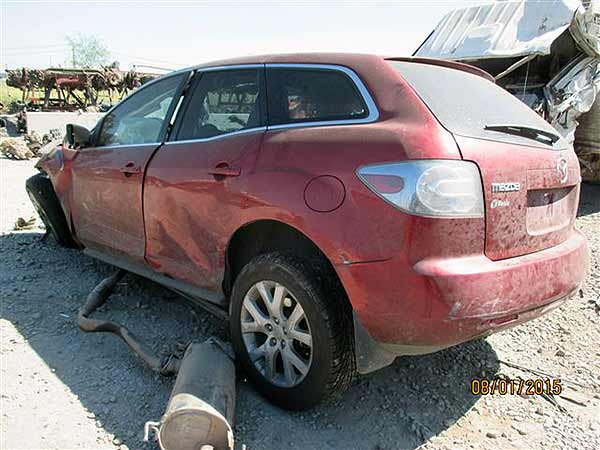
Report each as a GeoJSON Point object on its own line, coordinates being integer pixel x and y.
{"type": "Point", "coordinates": [276, 333]}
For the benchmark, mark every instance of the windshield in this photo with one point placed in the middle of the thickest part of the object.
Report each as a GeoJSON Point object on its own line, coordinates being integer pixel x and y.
{"type": "Point", "coordinates": [472, 106]}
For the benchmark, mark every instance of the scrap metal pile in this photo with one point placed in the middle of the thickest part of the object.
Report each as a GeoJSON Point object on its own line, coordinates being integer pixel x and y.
{"type": "Point", "coordinates": [74, 88]}
{"type": "Point", "coordinates": [545, 53]}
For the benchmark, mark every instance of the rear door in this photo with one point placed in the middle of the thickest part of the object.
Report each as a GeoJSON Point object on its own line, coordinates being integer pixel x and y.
{"type": "Point", "coordinates": [108, 177]}
{"type": "Point", "coordinates": [530, 174]}
{"type": "Point", "coordinates": [195, 189]}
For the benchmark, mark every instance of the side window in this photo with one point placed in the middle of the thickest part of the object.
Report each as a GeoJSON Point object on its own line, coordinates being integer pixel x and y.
{"type": "Point", "coordinates": [309, 95]}
{"type": "Point", "coordinates": [223, 102]}
{"type": "Point", "coordinates": [140, 118]}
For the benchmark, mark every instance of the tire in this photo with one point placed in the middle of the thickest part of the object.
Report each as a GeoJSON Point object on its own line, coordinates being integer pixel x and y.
{"type": "Point", "coordinates": [44, 199]}
{"type": "Point", "coordinates": [327, 320]}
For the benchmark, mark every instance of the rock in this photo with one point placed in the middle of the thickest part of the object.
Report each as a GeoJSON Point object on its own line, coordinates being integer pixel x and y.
{"type": "Point", "coordinates": [34, 142]}
{"type": "Point", "coordinates": [492, 434]}
{"type": "Point", "coordinates": [22, 224]}
{"type": "Point", "coordinates": [520, 429]}
{"type": "Point", "coordinates": [15, 149]}
{"type": "Point", "coordinates": [560, 353]}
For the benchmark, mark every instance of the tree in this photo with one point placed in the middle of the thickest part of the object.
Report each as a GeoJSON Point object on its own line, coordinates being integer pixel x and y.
{"type": "Point", "coordinates": [87, 51]}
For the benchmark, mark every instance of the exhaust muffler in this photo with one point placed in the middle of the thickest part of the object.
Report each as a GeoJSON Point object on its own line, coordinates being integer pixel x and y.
{"type": "Point", "coordinates": [200, 412]}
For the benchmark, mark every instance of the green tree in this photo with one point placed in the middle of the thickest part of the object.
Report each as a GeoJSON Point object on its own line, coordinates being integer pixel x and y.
{"type": "Point", "coordinates": [87, 51]}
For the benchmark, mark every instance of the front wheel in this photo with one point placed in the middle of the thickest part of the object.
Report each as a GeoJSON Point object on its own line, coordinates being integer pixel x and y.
{"type": "Point", "coordinates": [292, 331]}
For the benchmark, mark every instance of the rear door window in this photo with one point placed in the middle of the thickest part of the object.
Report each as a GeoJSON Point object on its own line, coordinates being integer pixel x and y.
{"type": "Point", "coordinates": [223, 102]}
{"type": "Point", "coordinates": [298, 95]}
{"type": "Point", "coordinates": [466, 104]}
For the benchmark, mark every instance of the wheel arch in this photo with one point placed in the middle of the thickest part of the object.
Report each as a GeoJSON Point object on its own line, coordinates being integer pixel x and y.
{"type": "Point", "coordinates": [270, 235]}
{"type": "Point", "coordinates": [266, 236]}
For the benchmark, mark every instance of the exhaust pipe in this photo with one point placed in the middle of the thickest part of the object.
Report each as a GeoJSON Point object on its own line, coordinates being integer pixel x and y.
{"type": "Point", "coordinates": [201, 409]}
{"type": "Point", "coordinates": [166, 366]}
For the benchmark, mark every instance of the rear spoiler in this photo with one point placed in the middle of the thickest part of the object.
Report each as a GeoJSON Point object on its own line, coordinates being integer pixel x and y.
{"type": "Point", "coordinates": [449, 64]}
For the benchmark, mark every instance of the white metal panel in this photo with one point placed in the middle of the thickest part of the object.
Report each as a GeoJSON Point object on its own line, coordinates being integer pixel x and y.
{"type": "Point", "coordinates": [500, 29]}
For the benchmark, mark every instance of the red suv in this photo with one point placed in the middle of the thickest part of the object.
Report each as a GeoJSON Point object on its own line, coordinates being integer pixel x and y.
{"type": "Point", "coordinates": [337, 210]}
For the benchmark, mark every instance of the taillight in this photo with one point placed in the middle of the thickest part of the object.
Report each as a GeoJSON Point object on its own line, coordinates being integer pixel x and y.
{"type": "Point", "coordinates": [432, 188]}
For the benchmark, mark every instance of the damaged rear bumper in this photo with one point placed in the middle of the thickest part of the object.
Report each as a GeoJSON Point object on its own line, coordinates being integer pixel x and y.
{"type": "Point", "coordinates": [437, 303]}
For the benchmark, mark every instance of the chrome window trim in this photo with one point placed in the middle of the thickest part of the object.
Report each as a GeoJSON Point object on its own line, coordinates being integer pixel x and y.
{"type": "Point", "coordinates": [117, 146]}
{"type": "Point", "coordinates": [362, 89]}
{"type": "Point", "coordinates": [233, 67]}
{"type": "Point", "coordinates": [220, 136]}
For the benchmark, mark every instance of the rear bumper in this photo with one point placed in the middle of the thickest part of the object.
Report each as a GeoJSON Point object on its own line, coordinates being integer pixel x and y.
{"type": "Point", "coordinates": [436, 303]}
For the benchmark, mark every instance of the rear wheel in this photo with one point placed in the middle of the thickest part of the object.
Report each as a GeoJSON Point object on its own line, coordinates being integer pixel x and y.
{"type": "Point", "coordinates": [291, 333]}
{"type": "Point", "coordinates": [44, 199]}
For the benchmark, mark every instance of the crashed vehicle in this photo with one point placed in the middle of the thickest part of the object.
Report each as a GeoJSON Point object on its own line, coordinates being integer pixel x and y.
{"type": "Point", "coordinates": [338, 210]}
{"type": "Point", "coordinates": [547, 54]}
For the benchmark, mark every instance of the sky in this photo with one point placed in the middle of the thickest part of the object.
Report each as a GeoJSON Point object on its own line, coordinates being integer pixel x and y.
{"type": "Point", "coordinates": [175, 34]}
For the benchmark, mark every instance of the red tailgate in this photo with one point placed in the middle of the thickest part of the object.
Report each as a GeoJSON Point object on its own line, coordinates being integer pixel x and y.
{"type": "Point", "coordinates": [536, 195]}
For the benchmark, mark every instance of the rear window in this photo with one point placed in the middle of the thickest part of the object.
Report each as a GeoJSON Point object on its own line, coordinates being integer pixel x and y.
{"type": "Point", "coordinates": [466, 104]}
{"type": "Point", "coordinates": [311, 95]}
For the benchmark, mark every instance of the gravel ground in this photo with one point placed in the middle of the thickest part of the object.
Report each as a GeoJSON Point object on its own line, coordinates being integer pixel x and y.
{"type": "Point", "coordinates": [64, 389]}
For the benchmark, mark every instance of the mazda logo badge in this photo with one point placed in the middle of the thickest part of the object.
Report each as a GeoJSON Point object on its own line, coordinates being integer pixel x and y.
{"type": "Point", "coordinates": [562, 169]}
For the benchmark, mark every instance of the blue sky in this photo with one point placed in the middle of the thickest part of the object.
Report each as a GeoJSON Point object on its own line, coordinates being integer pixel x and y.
{"type": "Point", "coordinates": [181, 33]}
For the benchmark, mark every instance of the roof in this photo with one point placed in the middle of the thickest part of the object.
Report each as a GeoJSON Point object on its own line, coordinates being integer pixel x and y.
{"type": "Point", "coordinates": [343, 59]}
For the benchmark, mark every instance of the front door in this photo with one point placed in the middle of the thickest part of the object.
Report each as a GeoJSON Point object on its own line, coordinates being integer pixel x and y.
{"type": "Point", "coordinates": [108, 177]}
{"type": "Point", "coordinates": [194, 192]}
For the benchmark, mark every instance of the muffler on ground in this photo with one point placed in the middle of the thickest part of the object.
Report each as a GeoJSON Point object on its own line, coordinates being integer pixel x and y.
{"type": "Point", "coordinates": [200, 412]}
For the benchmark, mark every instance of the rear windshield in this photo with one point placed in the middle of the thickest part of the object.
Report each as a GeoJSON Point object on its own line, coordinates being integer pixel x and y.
{"type": "Point", "coordinates": [466, 104]}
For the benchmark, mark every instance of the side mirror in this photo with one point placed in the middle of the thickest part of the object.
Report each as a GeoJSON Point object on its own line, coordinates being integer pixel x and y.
{"type": "Point", "coordinates": [78, 136]}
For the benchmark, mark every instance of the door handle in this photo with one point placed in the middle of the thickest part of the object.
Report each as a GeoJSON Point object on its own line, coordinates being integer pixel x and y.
{"type": "Point", "coordinates": [130, 169]}
{"type": "Point", "coordinates": [224, 170]}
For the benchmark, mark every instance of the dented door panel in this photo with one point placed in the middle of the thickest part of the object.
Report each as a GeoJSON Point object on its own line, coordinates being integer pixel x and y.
{"type": "Point", "coordinates": [189, 212]}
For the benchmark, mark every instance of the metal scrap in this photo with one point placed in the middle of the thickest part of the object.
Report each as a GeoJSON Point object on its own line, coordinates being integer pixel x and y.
{"type": "Point", "coordinates": [75, 88]}
{"type": "Point", "coordinates": [499, 30]}
{"type": "Point", "coordinates": [571, 93]}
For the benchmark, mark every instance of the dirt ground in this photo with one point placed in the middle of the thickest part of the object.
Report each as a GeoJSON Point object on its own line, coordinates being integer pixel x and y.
{"type": "Point", "coordinates": [62, 389]}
